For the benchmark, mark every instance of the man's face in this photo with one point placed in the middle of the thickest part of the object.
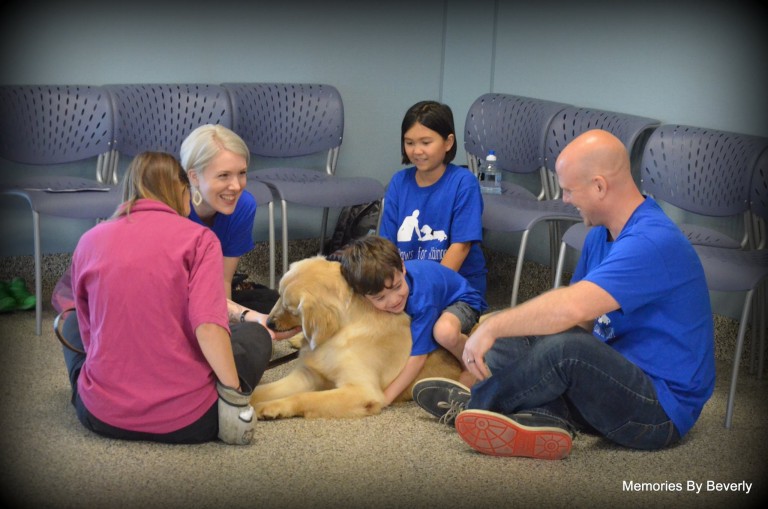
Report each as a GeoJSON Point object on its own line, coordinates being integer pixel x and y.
{"type": "Point", "coordinates": [577, 191]}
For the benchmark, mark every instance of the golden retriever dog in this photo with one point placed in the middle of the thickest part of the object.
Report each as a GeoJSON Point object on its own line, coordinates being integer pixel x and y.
{"type": "Point", "coordinates": [350, 353]}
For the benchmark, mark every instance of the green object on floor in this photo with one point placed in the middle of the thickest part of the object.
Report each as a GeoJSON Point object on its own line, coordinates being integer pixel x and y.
{"type": "Point", "coordinates": [17, 288]}
{"type": "Point", "coordinates": [7, 302]}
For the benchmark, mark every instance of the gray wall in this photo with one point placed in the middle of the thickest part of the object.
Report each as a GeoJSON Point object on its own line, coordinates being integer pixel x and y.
{"type": "Point", "coordinates": [699, 63]}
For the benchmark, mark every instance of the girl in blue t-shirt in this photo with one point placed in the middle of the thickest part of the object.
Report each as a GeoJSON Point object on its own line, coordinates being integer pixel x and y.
{"type": "Point", "coordinates": [433, 210]}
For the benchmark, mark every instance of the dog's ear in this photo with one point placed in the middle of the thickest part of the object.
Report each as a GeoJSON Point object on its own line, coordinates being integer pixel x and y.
{"type": "Point", "coordinates": [319, 320]}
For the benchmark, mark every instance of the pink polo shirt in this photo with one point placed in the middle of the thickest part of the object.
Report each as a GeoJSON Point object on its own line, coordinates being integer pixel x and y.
{"type": "Point", "coordinates": [143, 283]}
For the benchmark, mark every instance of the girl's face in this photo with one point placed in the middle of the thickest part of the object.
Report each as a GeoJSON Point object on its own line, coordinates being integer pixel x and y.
{"type": "Point", "coordinates": [221, 184]}
{"type": "Point", "coordinates": [425, 148]}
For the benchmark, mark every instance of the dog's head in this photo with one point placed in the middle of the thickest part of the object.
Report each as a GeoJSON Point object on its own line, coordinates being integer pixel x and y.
{"type": "Point", "coordinates": [313, 295]}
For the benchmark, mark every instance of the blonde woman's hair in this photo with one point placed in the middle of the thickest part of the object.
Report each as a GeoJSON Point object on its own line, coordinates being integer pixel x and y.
{"type": "Point", "coordinates": [156, 176]}
{"type": "Point", "coordinates": [205, 142]}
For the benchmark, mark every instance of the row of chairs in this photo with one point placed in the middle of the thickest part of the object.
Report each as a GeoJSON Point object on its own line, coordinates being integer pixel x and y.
{"type": "Point", "coordinates": [55, 125]}
{"type": "Point", "coordinates": [527, 136]}
{"type": "Point", "coordinates": [705, 173]}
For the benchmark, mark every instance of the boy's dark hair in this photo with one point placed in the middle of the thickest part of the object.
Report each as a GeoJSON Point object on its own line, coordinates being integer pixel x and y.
{"type": "Point", "coordinates": [369, 263]}
{"type": "Point", "coordinates": [432, 115]}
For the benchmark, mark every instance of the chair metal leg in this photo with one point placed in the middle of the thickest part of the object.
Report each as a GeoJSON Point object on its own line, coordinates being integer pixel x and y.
{"type": "Point", "coordinates": [101, 165]}
{"type": "Point", "coordinates": [323, 231]}
{"type": "Point", "coordinates": [38, 274]}
{"type": "Point", "coordinates": [560, 265]}
{"type": "Point", "coordinates": [381, 214]}
{"type": "Point", "coordinates": [554, 238]}
{"type": "Point", "coordinates": [271, 245]}
{"type": "Point", "coordinates": [737, 359]}
{"type": "Point", "coordinates": [761, 325]}
{"type": "Point", "coordinates": [284, 207]}
{"type": "Point", "coordinates": [754, 360]}
{"type": "Point", "coordinates": [519, 266]}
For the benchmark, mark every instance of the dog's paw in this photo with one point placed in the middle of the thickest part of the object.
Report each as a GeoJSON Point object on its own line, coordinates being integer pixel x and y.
{"type": "Point", "coordinates": [270, 410]}
{"type": "Point", "coordinates": [297, 341]}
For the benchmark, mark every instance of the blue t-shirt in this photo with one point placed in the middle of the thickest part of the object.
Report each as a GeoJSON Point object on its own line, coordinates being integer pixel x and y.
{"type": "Point", "coordinates": [432, 288]}
{"type": "Point", "coordinates": [235, 231]}
{"type": "Point", "coordinates": [664, 325]}
{"type": "Point", "coordinates": [424, 221]}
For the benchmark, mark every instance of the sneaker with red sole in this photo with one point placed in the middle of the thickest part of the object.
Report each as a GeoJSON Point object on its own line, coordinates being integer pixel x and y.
{"type": "Point", "coordinates": [500, 435]}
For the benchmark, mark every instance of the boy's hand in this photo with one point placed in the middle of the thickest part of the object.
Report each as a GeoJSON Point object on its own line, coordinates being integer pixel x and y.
{"type": "Point", "coordinates": [404, 379]}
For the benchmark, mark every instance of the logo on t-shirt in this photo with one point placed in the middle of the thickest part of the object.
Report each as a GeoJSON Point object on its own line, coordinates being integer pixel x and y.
{"type": "Point", "coordinates": [410, 227]}
{"type": "Point", "coordinates": [603, 328]}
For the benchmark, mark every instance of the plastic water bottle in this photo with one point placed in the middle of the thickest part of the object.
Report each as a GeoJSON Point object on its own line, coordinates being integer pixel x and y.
{"type": "Point", "coordinates": [490, 181]}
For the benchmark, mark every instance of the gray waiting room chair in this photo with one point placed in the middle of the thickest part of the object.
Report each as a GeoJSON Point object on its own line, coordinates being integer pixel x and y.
{"type": "Point", "coordinates": [515, 128]}
{"type": "Point", "coordinates": [744, 270]}
{"type": "Point", "coordinates": [157, 117]}
{"type": "Point", "coordinates": [51, 126]}
{"type": "Point", "coordinates": [283, 123]}
{"type": "Point", "coordinates": [705, 173]}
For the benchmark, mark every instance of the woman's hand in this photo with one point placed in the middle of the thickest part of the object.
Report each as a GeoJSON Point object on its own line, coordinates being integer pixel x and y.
{"type": "Point", "coordinates": [238, 313]}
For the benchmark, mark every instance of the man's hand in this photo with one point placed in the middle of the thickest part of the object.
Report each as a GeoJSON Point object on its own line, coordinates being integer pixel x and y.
{"type": "Point", "coordinates": [474, 350]}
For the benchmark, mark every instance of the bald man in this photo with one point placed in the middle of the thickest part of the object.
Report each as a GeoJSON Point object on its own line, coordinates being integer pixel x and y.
{"type": "Point", "coordinates": [625, 351]}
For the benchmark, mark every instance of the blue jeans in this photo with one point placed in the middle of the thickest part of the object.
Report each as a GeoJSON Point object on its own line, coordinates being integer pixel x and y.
{"type": "Point", "coordinates": [579, 381]}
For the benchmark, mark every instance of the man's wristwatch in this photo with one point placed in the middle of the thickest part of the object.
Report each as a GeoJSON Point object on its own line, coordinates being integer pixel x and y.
{"type": "Point", "coordinates": [242, 315]}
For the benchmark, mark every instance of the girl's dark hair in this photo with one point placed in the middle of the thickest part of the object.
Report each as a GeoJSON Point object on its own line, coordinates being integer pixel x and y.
{"type": "Point", "coordinates": [432, 115]}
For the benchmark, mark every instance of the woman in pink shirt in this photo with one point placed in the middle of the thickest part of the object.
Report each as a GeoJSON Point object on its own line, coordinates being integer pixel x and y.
{"type": "Point", "coordinates": [152, 317]}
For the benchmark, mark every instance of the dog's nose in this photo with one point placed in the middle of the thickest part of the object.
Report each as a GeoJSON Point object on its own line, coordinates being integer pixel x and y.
{"type": "Point", "coordinates": [271, 324]}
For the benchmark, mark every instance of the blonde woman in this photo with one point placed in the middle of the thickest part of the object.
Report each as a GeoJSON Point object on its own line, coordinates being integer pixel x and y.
{"type": "Point", "coordinates": [216, 161]}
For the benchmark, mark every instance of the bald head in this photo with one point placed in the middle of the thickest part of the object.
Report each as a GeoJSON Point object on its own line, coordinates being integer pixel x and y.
{"type": "Point", "coordinates": [594, 153]}
{"type": "Point", "coordinates": [595, 175]}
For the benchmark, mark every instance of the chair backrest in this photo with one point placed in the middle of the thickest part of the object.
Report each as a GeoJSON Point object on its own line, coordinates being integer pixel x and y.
{"type": "Point", "coordinates": [512, 126]}
{"type": "Point", "coordinates": [703, 171]}
{"type": "Point", "coordinates": [159, 117]}
{"type": "Point", "coordinates": [573, 121]}
{"type": "Point", "coordinates": [287, 119]}
{"type": "Point", "coordinates": [54, 124]}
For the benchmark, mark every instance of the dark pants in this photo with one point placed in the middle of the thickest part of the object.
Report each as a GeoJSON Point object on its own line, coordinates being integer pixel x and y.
{"type": "Point", "coordinates": [252, 348]}
{"type": "Point", "coordinates": [579, 380]}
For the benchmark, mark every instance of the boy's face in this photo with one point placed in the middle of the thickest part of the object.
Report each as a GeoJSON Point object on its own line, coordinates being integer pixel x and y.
{"type": "Point", "coordinates": [394, 296]}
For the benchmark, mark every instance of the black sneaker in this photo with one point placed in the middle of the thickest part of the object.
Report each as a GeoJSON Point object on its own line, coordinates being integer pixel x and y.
{"type": "Point", "coordinates": [441, 397]}
{"type": "Point", "coordinates": [523, 435]}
